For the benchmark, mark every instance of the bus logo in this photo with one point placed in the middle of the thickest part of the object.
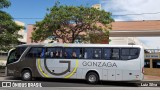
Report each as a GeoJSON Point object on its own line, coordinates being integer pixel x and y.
{"type": "Point", "coordinates": [62, 73]}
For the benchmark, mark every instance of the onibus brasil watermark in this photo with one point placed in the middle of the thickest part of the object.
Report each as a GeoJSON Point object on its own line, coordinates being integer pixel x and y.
{"type": "Point", "coordinates": [20, 84]}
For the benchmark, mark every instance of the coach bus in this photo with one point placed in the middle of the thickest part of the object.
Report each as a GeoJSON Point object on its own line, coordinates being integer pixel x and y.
{"type": "Point", "coordinates": [92, 62]}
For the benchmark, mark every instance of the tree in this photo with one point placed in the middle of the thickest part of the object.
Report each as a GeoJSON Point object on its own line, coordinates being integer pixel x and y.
{"type": "Point", "coordinates": [8, 28]}
{"type": "Point", "coordinates": [69, 22]}
{"type": "Point", "coordinates": [4, 4]}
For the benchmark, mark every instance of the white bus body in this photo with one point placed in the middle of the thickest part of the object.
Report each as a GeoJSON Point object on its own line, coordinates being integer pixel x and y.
{"type": "Point", "coordinates": [93, 62]}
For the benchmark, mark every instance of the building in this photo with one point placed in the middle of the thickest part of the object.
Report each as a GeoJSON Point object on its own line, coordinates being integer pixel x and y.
{"type": "Point", "coordinates": [127, 29]}
{"type": "Point", "coordinates": [30, 29]}
{"type": "Point", "coordinates": [152, 62]}
{"type": "Point", "coordinates": [97, 6]}
{"type": "Point", "coordinates": [22, 32]}
{"type": "Point", "coordinates": [130, 30]}
{"type": "Point", "coordinates": [126, 41]}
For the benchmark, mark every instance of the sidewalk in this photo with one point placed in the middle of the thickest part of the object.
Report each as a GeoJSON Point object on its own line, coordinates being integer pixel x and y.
{"type": "Point", "coordinates": [151, 78]}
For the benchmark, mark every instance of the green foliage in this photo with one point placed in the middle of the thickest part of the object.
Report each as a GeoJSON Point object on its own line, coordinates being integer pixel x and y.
{"type": "Point", "coordinates": [4, 4]}
{"type": "Point", "coordinates": [68, 22]}
{"type": "Point", "coordinates": [8, 29]}
{"type": "Point", "coordinates": [1, 68]}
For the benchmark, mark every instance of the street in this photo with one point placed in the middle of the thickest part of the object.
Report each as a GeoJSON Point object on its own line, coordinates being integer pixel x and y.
{"type": "Point", "coordinates": [71, 83]}
{"type": "Point", "coordinates": [63, 84]}
{"type": "Point", "coordinates": [79, 83]}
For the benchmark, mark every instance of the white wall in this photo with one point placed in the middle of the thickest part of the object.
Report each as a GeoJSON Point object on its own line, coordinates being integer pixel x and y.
{"type": "Point", "coordinates": [22, 32]}
{"type": "Point", "coordinates": [126, 41]}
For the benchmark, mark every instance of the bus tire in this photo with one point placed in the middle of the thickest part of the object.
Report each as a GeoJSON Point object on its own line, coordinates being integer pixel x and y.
{"type": "Point", "coordinates": [92, 78]}
{"type": "Point", "coordinates": [26, 75]}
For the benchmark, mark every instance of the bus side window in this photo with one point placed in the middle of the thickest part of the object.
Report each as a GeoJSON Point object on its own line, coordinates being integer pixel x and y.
{"type": "Point", "coordinates": [88, 53]}
{"type": "Point", "coordinates": [49, 53]}
{"type": "Point", "coordinates": [115, 54]}
{"type": "Point", "coordinates": [42, 53]}
{"type": "Point", "coordinates": [125, 54]}
{"type": "Point", "coordinates": [77, 53]}
{"type": "Point", "coordinates": [72, 53]}
{"type": "Point", "coordinates": [80, 53]}
{"type": "Point", "coordinates": [107, 53]}
{"type": "Point", "coordinates": [97, 53]}
{"type": "Point", "coordinates": [34, 52]}
{"type": "Point", "coordinates": [19, 52]}
{"type": "Point", "coordinates": [134, 52]}
{"type": "Point", "coordinates": [129, 53]}
{"type": "Point", "coordinates": [68, 53]}
{"type": "Point", "coordinates": [54, 52]}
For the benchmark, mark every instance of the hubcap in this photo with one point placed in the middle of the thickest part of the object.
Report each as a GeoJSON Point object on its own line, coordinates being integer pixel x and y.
{"type": "Point", "coordinates": [27, 75]}
{"type": "Point", "coordinates": [92, 78]}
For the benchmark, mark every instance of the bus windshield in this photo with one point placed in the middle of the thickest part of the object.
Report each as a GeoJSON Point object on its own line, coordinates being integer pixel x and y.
{"type": "Point", "coordinates": [15, 54]}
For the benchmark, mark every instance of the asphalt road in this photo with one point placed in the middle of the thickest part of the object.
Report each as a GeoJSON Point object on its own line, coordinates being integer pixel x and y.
{"type": "Point", "coordinates": [73, 83]}
{"type": "Point", "coordinates": [63, 84]}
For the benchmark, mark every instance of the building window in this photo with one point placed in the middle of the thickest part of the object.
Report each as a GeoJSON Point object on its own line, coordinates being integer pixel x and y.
{"type": "Point", "coordinates": [156, 63]}
{"type": "Point", "coordinates": [147, 63]}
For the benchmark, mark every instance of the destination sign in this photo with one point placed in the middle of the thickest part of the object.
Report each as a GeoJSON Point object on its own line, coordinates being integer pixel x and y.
{"type": "Point", "coordinates": [152, 56]}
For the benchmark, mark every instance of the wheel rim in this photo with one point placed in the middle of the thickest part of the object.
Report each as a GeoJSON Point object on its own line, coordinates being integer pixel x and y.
{"type": "Point", "coordinates": [27, 75]}
{"type": "Point", "coordinates": [92, 78]}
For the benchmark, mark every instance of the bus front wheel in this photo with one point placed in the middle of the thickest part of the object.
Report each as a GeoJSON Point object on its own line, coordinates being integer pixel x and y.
{"type": "Point", "coordinates": [92, 78]}
{"type": "Point", "coordinates": [26, 75]}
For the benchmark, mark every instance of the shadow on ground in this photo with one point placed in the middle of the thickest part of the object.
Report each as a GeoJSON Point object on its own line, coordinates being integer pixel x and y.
{"type": "Point", "coordinates": [77, 82]}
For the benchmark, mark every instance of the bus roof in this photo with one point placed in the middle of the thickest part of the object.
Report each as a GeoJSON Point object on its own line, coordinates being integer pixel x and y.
{"type": "Point", "coordinates": [76, 45]}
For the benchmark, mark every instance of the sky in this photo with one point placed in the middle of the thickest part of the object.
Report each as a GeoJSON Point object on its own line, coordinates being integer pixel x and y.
{"type": "Point", "coordinates": [35, 10]}
{"type": "Point", "coordinates": [135, 10]}
{"type": "Point", "coordinates": [30, 11]}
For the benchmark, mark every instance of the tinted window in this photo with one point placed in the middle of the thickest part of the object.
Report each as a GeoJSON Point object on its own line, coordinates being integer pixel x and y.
{"type": "Point", "coordinates": [97, 53]}
{"type": "Point", "coordinates": [54, 52]}
{"type": "Point", "coordinates": [35, 52]}
{"type": "Point", "coordinates": [15, 54]}
{"type": "Point", "coordinates": [111, 53]}
{"type": "Point", "coordinates": [19, 51]}
{"type": "Point", "coordinates": [72, 53]}
{"type": "Point", "coordinates": [88, 53]}
{"type": "Point", "coordinates": [107, 53]}
{"type": "Point", "coordinates": [115, 54]}
{"type": "Point", "coordinates": [125, 52]}
{"type": "Point", "coordinates": [12, 58]}
{"type": "Point", "coordinates": [134, 52]}
{"type": "Point", "coordinates": [129, 53]}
